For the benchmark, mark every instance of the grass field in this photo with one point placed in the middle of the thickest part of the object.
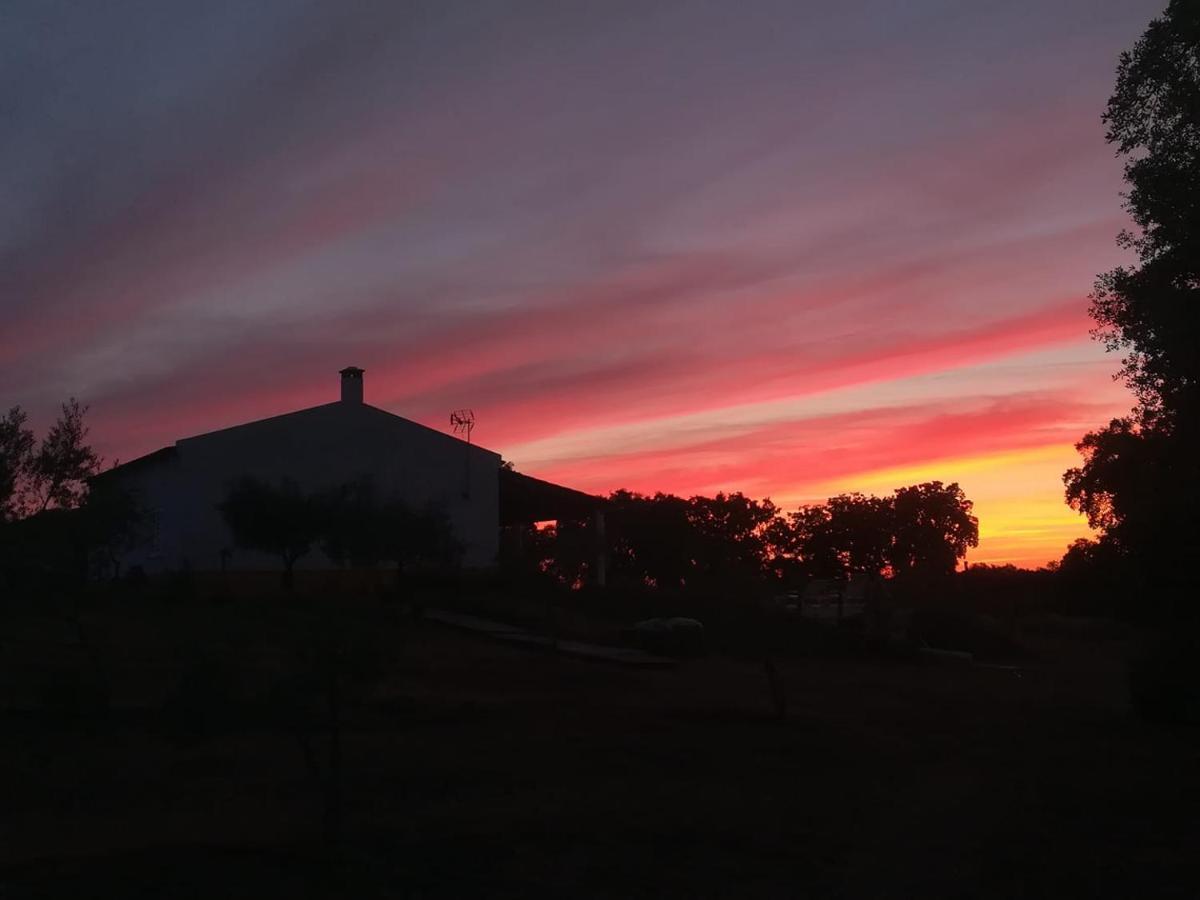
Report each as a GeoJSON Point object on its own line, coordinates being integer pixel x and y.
{"type": "Point", "coordinates": [472, 768]}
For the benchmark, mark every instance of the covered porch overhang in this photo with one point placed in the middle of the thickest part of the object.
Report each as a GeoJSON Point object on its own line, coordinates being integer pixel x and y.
{"type": "Point", "coordinates": [525, 500]}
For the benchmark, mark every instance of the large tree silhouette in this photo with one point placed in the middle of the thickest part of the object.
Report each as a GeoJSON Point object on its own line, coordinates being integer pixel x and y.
{"type": "Point", "coordinates": [933, 527]}
{"type": "Point", "coordinates": [1150, 311]}
{"type": "Point", "coordinates": [730, 532]}
{"type": "Point", "coordinates": [1140, 477]}
{"type": "Point", "coordinates": [653, 541]}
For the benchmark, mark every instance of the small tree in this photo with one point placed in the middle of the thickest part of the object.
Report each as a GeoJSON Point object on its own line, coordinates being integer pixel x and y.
{"type": "Point", "coordinates": [413, 537]}
{"type": "Point", "coordinates": [16, 455]}
{"type": "Point", "coordinates": [359, 528]}
{"type": "Point", "coordinates": [113, 523]}
{"type": "Point", "coordinates": [59, 470]}
{"type": "Point", "coordinates": [353, 531]}
{"type": "Point", "coordinates": [275, 519]}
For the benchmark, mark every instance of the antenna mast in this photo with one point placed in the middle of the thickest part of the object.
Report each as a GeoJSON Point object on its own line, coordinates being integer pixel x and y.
{"type": "Point", "coordinates": [463, 422]}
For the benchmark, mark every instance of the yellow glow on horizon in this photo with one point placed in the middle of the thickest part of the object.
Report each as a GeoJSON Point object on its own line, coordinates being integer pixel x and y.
{"type": "Point", "coordinates": [1018, 497]}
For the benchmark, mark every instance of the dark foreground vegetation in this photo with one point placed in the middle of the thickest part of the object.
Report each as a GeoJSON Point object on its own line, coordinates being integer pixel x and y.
{"type": "Point", "coordinates": [170, 742]}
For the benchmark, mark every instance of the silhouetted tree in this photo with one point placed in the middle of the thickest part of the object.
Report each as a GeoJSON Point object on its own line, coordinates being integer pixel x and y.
{"type": "Point", "coordinates": [359, 528]}
{"type": "Point", "coordinates": [1078, 556]}
{"type": "Point", "coordinates": [16, 454]}
{"type": "Point", "coordinates": [934, 528]}
{"type": "Point", "coordinates": [670, 542]}
{"type": "Point", "coordinates": [652, 539]}
{"type": "Point", "coordinates": [276, 519]}
{"type": "Point", "coordinates": [563, 553]}
{"type": "Point", "coordinates": [731, 541]}
{"type": "Point", "coordinates": [63, 463]}
{"type": "Point", "coordinates": [862, 529]}
{"type": "Point", "coordinates": [1116, 486]}
{"type": "Point", "coordinates": [52, 474]}
{"type": "Point", "coordinates": [729, 534]}
{"type": "Point", "coordinates": [43, 484]}
{"type": "Point", "coordinates": [1092, 578]}
{"type": "Point", "coordinates": [418, 536]}
{"type": "Point", "coordinates": [1140, 478]}
{"type": "Point", "coordinates": [112, 523]}
{"type": "Point", "coordinates": [924, 528]}
{"type": "Point", "coordinates": [353, 530]}
{"type": "Point", "coordinates": [813, 542]}
{"type": "Point", "coordinates": [1151, 311]}
{"type": "Point", "coordinates": [782, 548]}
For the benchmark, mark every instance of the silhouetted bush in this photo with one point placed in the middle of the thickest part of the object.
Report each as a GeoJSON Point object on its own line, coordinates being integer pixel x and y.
{"type": "Point", "coordinates": [1164, 680]}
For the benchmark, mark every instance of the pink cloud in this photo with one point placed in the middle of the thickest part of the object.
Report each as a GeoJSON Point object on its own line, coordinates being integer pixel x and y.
{"type": "Point", "coordinates": [782, 456]}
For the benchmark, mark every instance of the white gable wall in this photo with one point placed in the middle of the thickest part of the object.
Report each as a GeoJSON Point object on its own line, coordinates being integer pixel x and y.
{"type": "Point", "coordinates": [318, 448]}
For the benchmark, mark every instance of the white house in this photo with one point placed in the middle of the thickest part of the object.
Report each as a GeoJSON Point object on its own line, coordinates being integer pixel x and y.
{"type": "Point", "coordinates": [318, 448]}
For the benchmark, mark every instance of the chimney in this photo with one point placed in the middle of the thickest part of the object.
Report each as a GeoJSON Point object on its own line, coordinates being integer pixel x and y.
{"type": "Point", "coordinates": [352, 384]}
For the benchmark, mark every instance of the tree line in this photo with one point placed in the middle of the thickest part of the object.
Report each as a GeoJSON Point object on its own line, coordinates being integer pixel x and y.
{"type": "Point", "coordinates": [676, 543]}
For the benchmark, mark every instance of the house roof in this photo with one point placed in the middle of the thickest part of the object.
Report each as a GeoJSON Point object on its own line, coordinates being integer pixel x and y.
{"type": "Point", "coordinates": [351, 408]}
{"type": "Point", "coordinates": [523, 498]}
{"type": "Point", "coordinates": [162, 455]}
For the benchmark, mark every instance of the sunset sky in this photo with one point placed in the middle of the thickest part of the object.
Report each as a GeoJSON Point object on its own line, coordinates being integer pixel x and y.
{"type": "Point", "coordinates": [788, 248]}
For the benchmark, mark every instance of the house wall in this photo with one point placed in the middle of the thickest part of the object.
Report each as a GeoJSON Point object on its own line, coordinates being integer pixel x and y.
{"type": "Point", "coordinates": [318, 448]}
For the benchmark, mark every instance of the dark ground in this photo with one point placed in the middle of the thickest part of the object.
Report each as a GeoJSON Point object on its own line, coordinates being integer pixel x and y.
{"type": "Point", "coordinates": [478, 769]}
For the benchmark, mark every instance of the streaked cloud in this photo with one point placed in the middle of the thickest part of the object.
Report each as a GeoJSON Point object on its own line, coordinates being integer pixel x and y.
{"type": "Point", "coordinates": [770, 246]}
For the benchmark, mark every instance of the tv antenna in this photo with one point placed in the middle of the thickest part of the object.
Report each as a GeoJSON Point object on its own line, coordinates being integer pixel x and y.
{"type": "Point", "coordinates": [463, 422]}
